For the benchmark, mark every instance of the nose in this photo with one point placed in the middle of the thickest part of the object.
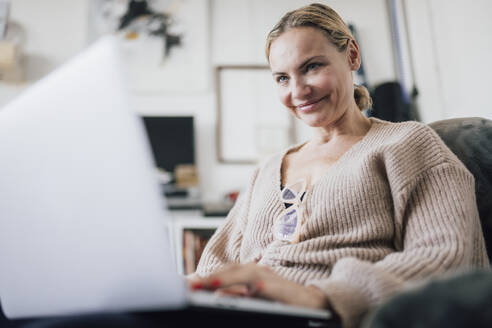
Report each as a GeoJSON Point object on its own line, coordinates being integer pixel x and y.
{"type": "Point", "coordinates": [300, 89]}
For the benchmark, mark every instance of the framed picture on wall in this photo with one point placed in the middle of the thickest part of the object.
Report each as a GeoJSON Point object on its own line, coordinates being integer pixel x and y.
{"type": "Point", "coordinates": [252, 123]}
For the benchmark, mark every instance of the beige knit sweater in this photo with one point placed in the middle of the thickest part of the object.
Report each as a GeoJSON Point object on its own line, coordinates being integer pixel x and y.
{"type": "Point", "coordinates": [396, 207]}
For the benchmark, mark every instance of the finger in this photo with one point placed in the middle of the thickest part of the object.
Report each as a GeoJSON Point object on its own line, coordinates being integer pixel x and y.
{"type": "Point", "coordinates": [286, 291]}
{"type": "Point", "coordinates": [194, 281]}
{"type": "Point", "coordinates": [240, 274]}
{"type": "Point", "coordinates": [260, 281]}
{"type": "Point", "coordinates": [237, 290]}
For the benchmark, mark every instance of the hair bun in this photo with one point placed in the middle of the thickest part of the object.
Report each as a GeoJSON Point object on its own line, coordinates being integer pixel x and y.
{"type": "Point", "coordinates": [362, 97]}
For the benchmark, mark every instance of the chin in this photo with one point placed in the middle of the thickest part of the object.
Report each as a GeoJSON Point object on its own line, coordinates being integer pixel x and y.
{"type": "Point", "coordinates": [315, 119]}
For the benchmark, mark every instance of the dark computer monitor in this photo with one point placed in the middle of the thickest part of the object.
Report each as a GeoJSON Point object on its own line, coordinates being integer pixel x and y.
{"type": "Point", "coordinates": [172, 140]}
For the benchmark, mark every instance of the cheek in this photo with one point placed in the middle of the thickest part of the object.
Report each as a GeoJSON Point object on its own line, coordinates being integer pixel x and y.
{"type": "Point", "coordinates": [284, 96]}
{"type": "Point", "coordinates": [327, 83]}
{"type": "Point", "coordinates": [285, 99]}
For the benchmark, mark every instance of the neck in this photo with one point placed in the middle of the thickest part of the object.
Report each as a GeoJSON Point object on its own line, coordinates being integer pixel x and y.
{"type": "Point", "coordinates": [351, 123]}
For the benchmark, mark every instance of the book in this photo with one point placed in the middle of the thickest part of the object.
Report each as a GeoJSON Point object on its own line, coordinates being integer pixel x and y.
{"type": "Point", "coordinates": [194, 242]}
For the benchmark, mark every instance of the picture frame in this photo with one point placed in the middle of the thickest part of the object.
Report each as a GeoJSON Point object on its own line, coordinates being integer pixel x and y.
{"type": "Point", "coordinates": [251, 121]}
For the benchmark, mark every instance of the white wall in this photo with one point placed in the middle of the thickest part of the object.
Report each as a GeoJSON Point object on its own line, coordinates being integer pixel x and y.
{"type": "Point", "coordinates": [452, 45]}
{"type": "Point", "coordinates": [54, 30]}
{"type": "Point", "coordinates": [450, 65]}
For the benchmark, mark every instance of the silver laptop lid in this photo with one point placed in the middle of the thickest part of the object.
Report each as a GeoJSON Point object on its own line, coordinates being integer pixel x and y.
{"type": "Point", "coordinates": [82, 225]}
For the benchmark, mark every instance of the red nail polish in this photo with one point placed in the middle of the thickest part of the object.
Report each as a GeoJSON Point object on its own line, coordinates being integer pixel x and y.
{"type": "Point", "coordinates": [215, 283]}
{"type": "Point", "coordinates": [197, 285]}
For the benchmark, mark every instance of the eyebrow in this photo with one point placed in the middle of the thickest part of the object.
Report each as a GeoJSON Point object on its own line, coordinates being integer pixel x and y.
{"type": "Point", "coordinates": [304, 63]}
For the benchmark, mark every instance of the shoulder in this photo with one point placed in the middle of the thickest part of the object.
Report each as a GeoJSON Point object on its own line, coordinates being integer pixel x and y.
{"type": "Point", "coordinates": [413, 141]}
{"type": "Point", "coordinates": [409, 149]}
{"type": "Point", "coordinates": [402, 133]}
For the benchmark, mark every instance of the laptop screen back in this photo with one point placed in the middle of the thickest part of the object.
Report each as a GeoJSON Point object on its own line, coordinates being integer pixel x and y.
{"type": "Point", "coordinates": [82, 225]}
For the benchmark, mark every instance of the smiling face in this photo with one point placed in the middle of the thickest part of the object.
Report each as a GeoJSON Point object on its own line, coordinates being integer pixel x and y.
{"type": "Point", "coordinates": [314, 79]}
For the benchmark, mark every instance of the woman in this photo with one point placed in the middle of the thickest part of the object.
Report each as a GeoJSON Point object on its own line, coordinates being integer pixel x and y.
{"type": "Point", "coordinates": [373, 204]}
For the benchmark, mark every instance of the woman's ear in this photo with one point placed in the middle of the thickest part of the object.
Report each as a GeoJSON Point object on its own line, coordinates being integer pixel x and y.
{"type": "Point", "coordinates": [353, 55]}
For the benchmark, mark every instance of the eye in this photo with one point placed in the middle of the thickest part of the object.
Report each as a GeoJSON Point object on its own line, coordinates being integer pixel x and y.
{"type": "Point", "coordinates": [281, 79]}
{"type": "Point", "coordinates": [312, 66]}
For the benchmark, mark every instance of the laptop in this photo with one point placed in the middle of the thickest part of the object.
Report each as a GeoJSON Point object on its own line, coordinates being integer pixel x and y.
{"type": "Point", "coordinates": [83, 228]}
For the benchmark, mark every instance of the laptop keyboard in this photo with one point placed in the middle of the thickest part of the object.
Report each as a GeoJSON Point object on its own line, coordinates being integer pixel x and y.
{"type": "Point", "coordinates": [239, 303]}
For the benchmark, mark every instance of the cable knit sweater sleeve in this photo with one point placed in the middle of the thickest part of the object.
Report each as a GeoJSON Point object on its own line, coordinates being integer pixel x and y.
{"type": "Point", "coordinates": [435, 209]}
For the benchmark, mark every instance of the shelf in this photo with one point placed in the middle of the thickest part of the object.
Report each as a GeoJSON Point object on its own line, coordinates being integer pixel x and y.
{"type": "Point", "coordinates": [189, 220]}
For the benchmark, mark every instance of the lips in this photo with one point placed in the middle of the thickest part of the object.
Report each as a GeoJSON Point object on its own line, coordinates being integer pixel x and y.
{"type": "Point", "coordinates": [310, 105]}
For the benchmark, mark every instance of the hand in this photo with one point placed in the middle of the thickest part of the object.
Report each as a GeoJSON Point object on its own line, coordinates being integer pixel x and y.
{"type": "Point", "coordinates": [260, 281]}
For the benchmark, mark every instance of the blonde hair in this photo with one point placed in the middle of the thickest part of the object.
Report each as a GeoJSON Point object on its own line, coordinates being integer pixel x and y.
{"type": "Point", "coordinates": [327, 20]}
